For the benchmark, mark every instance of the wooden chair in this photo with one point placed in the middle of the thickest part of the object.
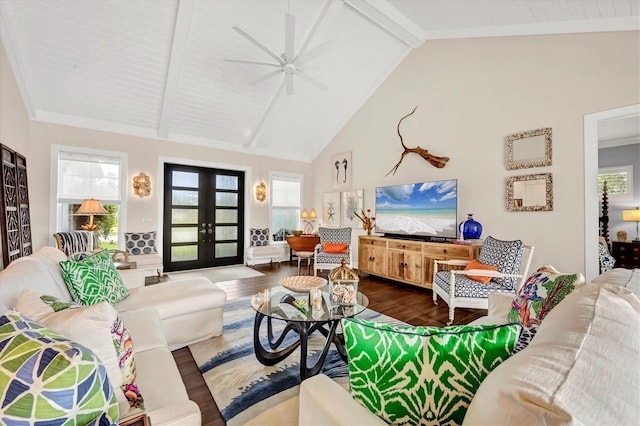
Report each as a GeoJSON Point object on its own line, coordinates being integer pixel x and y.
{"type": "Point", "coordinates": [512, 258]}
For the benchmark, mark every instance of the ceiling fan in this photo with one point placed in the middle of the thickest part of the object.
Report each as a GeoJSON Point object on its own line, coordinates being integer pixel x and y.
{"type": "Point", "coordinates": [289, 63]}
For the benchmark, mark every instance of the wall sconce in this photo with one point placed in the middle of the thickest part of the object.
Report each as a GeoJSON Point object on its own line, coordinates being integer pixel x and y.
{"type": "Point", "coordinates": [261, 192]}
{"type": "Point", "coordinates": [305, 215]}
{"type": "Point", "coordinates": [142, 185]}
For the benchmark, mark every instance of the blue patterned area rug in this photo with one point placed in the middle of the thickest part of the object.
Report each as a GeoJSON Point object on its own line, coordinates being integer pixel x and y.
{"type": "Point", "coordinates": [248, 392]}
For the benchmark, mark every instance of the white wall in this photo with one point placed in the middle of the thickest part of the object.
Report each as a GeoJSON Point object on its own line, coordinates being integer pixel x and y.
{"type": "Point", "coordinates": [14, 122]}
{"type": "Point", "coordinates": [472, 93]}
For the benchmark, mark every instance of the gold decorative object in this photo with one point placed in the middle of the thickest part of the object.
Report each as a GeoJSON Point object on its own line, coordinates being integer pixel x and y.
{"type": "Point", "coordinates": [438, 162]}
{"type": "Point", "coordinates": [621, 235]}
{"type": "Point", "coordinates": [142, 185]}
{"type": "Point", "coordinates": [343, 285]}
{"type": "Point", "coordinates": [261, 192]}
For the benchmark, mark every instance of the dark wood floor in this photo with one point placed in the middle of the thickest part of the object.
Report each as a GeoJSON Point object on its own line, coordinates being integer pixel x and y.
{"type": "Point", "coordinates": [407, 303]}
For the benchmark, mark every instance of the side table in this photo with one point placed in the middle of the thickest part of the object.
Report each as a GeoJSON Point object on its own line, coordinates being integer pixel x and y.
{"type": "Point", "coordinates": [626, 253]}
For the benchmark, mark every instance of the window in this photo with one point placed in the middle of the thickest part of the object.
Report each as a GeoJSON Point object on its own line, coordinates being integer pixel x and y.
{"type": "Point", "coordinates": [286, 196]}
{"type": "Point", "coordinates": [619, 182]}
{"type": "Point", "coordinates": [78, 174]}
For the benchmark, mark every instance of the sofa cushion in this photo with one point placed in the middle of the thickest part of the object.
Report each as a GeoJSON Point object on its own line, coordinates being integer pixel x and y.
{"type": "Point", "coordinates": [581, 368]}
{"type": "Point", "coordinates": [542, 291]}
{"type": "Point", "coordinates": [94, 279]}
{"type": "Point", "coordinates": [416, 375]}
{"type": "Point", "coordinates": [258, 237]}
{"type": "Point", "coordinates": [97, 327]}
{"type": "Point", "coordinates": [46, 378]}
{"type": "Point", "coordinates": [141, 242]}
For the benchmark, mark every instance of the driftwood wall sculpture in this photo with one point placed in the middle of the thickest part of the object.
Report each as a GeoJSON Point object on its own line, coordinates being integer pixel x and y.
{"type": "Point", "coordinates": [438, 162]}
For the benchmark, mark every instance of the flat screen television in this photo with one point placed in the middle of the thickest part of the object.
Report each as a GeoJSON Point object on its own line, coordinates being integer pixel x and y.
{"type": "Point", "coordinates": [425, 210]}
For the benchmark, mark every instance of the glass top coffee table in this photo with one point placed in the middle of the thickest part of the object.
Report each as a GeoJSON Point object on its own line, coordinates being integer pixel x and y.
{"type": "Point", "coordinates": [298, 324]}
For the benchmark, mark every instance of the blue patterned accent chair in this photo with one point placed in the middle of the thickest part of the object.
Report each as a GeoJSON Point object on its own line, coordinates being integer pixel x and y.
{"type": "Point", "coordinates": [323, 260]}
{"type": "Point", "coordinates": [512, 259]}
{"type": "Point", "coordinates": [73, 242]}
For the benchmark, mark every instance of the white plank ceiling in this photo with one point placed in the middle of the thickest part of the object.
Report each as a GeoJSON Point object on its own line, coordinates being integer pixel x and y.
{"type": "Point", "coordinates": [156, 68]}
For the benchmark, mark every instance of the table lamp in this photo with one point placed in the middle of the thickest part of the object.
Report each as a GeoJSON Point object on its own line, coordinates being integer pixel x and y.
{"type": "Point", "coordinates": [632, 215]}
{"type": "Point", "coordinates": [305, 215]}
{"type": "Point", "coordinates": [90, 207]}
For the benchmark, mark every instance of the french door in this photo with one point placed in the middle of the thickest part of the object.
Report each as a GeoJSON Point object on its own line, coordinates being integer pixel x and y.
{"type": "Point", "coordinates": [203, 217]}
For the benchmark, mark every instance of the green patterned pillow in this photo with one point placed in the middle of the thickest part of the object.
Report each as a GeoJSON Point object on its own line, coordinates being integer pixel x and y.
{"type": "Point", "coordinates": [93, 280]}
{"type": "Point", "coordinates": [542, 291]}
{"type": "Point", "coordinates": [422, 375]}
{"type": "Point", "coordinates": [48, 379]}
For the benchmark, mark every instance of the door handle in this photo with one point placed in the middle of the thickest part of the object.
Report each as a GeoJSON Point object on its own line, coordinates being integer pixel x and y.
{"type": "Point", "coordinates": [203, 230]}
{"type": "Point", "coordinates": [210, 230]}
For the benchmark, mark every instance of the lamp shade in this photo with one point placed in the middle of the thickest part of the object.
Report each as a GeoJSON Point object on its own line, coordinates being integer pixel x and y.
{"type": "Point", "coordinates": [304, 214]}
{"type": "Point", "coordinates": [91, 207]}
{"type": "Point", "coordinates": [314, 215]}
{"type": "Point", "coordinates": [631, 215]}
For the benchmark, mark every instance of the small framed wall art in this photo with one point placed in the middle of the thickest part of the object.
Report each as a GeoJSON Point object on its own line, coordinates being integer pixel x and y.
{"type": "Point", "coordinates": [331, 209]}
{"type": "Point", "coordinates": [340, 168]}
{"type": "Point", "coordinates": [352, 200]}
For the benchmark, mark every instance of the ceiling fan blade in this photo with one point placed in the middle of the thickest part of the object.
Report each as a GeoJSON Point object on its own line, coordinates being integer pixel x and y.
{"type": "Point", "coordinates": [313, 30]}
{"type": "Point", "coordinates": [260, 45]}
{"type": "Point", "coordinates": [289, 81]}
{"type": "Point", "coordinates": [240, 61]}
{"type": "Point", "coordinates": [312, 81]}
{"type": "Point", "coordinates": [318, 50]}
{"type": "Point", "coordinates": [265, 77]}
{"type": "Point", "coordinates": [289, 36]}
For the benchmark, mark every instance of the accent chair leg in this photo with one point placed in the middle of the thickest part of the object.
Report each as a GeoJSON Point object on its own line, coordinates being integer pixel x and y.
{"type": "Point", "coordinates": [435, 296]}
{"type": "Point", "coordinates": [452, 310]}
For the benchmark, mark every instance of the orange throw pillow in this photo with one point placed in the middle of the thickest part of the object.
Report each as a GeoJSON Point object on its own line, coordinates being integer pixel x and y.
{"type": "Point", "coordinates": [335, 248]}
{"type": "Point", "coordinates": [474, 264]}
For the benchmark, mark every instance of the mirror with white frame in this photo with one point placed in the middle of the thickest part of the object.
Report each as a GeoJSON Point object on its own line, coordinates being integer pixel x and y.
{"type": "Point", "coordinates": [528, 149]}
{"type": "Point", "coordinates": [530, 193]}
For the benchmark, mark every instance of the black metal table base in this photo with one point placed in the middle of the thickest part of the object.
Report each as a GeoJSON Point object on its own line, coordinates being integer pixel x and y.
{"type": "Point", "coordinates": [274, 353]}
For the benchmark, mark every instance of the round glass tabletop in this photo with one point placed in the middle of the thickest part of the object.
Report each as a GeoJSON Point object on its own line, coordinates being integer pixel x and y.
{"type": "Point", "coordinates": [302, 307]}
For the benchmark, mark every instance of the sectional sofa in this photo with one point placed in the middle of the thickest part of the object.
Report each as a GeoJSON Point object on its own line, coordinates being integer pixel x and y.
{"type": "Point", "coordinates": [582, 366]}
{"type": "Point", "coordinates": [160, 318]}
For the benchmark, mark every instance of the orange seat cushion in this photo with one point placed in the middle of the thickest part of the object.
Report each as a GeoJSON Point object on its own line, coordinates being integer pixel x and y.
{"type": "Point", "coordinates": [474, 264]}
{"type": "Point", "coordinates": [335, 248]}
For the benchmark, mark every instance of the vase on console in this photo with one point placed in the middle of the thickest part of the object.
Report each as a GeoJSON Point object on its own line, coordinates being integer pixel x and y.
{"type": "Point", "coordinates": [470, 228]}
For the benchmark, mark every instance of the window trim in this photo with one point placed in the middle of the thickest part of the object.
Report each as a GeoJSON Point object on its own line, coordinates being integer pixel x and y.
{"type": "Point", "coordinates": [53, 187]}
{"type": "Point", "coordinates": [628, 169]}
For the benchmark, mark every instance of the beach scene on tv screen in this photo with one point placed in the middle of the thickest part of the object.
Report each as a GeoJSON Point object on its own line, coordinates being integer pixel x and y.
{"type": "Point", "coordinates": [426, 209]}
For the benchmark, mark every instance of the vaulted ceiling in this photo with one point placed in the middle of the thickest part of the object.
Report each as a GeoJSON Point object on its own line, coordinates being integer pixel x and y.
{"type": "Point", "coordinates": [160, 69]}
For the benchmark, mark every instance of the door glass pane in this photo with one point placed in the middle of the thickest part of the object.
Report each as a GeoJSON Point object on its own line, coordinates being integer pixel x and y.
{"type": "Point", "coordinates": [226, 182]}
{"type": "Point", "coordinates": [226, 233]}
{"type": "Point", "coordinates": [226, 250]}
{"type": "Point", "coordinates": [184, 216]}
{"type": "Point", "coordinates": [226, 216]}
{"type": "Point", "coordinates": [226, 199]}
{"type": "Point", "coordinates": [184, 235]}
{"type": "Point", "coordinates": [186, 179]}
{"type": "Point", "coordinates": [184, 253]}
{"type": "Point", "coordinates": [184, 197]}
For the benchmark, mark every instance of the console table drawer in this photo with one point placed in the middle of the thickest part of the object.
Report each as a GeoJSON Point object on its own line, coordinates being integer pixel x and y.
{"type": "Point", "coordinates": [375, 242]}
{"type": "Point", "coordinates": [404, 245]}
{"type": "Point", "coordinates": [452, 251]}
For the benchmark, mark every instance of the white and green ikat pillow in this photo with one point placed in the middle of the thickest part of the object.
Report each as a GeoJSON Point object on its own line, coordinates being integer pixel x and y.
{"type": "Point", "coordinates": [422, 375]}
{"type": "Point", "coordinates": [93, 280]}
{"type": "Point", "coordinates": [47, 379]}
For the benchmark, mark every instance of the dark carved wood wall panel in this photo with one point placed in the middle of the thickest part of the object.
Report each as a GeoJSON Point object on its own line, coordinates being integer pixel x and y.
{"type": "Point", "coordinates": [15, 225]}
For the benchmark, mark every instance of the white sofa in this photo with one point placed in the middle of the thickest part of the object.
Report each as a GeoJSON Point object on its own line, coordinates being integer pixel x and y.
{"type": "Point", "coordinates": [582, 367]}
{"type": "Point", "coordinates": [160, 318]}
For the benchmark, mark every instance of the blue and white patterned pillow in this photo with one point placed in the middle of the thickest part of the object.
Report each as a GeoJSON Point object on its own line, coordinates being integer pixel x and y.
{"type": "Point", "coordinates": [258, 237]}
{"type": "Point", "coordinates": [506, 255]}
{"type": "Point", "coordinates": [141, 242]}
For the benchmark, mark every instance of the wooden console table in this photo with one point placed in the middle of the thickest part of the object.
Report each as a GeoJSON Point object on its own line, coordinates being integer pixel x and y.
{"type": "Point", "coordinates": [301, 243]}
{"type": "Point", "coordinates": [407, 261]}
